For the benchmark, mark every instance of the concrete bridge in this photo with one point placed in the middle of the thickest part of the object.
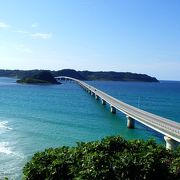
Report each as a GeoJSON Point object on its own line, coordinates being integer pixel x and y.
{"type": "Point", "coordinates": [170, 129]}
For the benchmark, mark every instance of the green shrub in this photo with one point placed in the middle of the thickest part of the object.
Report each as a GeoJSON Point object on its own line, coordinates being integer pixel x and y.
{"type": "Point", "coordinates": [112, 158]}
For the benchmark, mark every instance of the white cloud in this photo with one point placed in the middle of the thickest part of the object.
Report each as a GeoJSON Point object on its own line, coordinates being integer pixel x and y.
{"type": "Point", "coordinates": [4, 25]}
{"type": "Point", "coordinates": [27, 50]}
{"type": "Point", "coordinates": [34, 25]}
{"type": "Point", "coordinates": [22, 32]}
{"type": "Point", "coordinates": [35, 35]}
{"type": "Point", "coordinates": [41, 35]}
{"type": "Point", "coordinates": [23, 48]}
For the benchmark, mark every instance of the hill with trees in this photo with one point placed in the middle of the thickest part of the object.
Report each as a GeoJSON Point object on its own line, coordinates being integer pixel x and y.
{"type": "Point", "coordinates": [43, 77]}
{"type": "Point", "coordinates": [83, 75]}
{"type": "Point", "coordinates": [117, 76]}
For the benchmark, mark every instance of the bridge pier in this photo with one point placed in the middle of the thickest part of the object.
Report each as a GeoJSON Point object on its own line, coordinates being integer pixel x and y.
{"type": "Point", "coordinates": [113, 109]}
{"type": "Point", "coordinates": [170, 143]}
{"type": "Point", "coordinates": [103, 102]}
{"type": "Point", "coordinates": [133, 114]}
{"type": "Point", "coordinates": [96, 97]}
{"type": "Point", "coordinates": [130, 122]}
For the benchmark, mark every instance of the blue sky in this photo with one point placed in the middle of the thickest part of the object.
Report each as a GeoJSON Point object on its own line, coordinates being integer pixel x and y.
{"type": "Point", "coordinates": [141, 36]}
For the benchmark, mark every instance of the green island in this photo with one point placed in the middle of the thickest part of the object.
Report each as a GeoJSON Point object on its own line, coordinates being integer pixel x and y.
{"type": "Point", "coordinates": [83, 75]}
{"type": "Point", "coordinates": [112, 158]}
{"type": "Point", "coordinates": [44, 77]}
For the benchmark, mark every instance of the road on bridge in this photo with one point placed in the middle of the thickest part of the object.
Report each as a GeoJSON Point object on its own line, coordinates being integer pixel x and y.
{"type": "Point", "coordinates": [169, 128]}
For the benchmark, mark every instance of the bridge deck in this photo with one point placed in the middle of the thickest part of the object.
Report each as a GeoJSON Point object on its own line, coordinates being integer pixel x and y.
{"type": "Point", "coordinates": [165, 126]}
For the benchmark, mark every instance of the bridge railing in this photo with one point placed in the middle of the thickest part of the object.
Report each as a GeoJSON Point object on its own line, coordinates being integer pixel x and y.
{"type": "Point", "coordinates": [169, 128]}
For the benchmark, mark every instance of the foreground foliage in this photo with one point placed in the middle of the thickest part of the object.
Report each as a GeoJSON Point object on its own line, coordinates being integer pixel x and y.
{"type": "Point", "coordinates": [112, 158]}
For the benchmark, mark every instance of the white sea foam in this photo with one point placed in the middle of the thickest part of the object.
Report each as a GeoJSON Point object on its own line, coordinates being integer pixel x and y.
{"type": "Point", "coordinates": [4, 125]}
{"type": "Point", "coordinates": [11, 162]}
{"type": "Point", "coordinates": [7, 150]}
{"type": "Point", "coordinates": [4, 148]}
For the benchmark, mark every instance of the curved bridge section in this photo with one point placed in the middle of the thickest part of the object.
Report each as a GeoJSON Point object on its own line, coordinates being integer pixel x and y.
{"type": "Point", "coordinates": [170, 129]}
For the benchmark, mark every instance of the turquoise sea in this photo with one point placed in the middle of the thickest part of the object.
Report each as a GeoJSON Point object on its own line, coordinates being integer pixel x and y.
{"type": "Point", "coordinates": [35, 117]}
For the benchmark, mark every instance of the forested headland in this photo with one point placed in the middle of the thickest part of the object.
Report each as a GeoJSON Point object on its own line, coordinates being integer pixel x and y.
{"type": "Point", "coordinates": [83, 75]}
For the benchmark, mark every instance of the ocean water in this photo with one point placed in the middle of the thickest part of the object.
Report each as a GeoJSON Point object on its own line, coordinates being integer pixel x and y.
{"type": "Point", "coordinates": [35, 117]}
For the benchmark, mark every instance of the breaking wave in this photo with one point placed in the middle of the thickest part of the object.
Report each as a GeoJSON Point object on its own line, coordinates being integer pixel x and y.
{"type": "Point", "coordinates": [4, 125]}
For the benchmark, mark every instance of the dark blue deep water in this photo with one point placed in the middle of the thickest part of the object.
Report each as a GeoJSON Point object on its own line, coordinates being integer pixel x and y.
{"type": "Point", "coordinates": [35, 117]}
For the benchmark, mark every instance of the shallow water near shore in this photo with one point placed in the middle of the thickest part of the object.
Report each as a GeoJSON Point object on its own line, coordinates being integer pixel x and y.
{"type": "Point", "coordinates": [35, 117]}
